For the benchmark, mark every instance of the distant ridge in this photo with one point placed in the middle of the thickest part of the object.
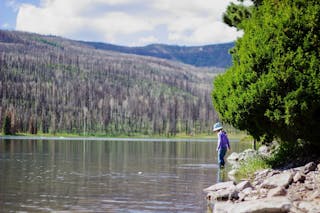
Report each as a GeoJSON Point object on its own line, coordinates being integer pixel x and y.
{"type": "Point", "coordinates": [216, 55]}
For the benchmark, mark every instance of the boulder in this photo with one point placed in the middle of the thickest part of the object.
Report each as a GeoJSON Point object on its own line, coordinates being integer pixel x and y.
{"type": "Point", "coordinates": [223, 194]}
{"type": "Point", "coordinates": [262, 173]}
{"type": "Point", "coordinates": [299, 177]}
{"type": "Point", "coordinates": [243, 185]}
{"type": "Point", "coordinates": [248, 153]}
{"type": "Point", "coordinates": [233, 157]}
{"type": "Point", "coordinates": [264, 150]}
{"type": "Point", "coordinates": [265, 205]}
{"type": "Point", "coordinates": [282, 179]}
{"type": "Point", "coordinates": [309, 206]}
{"type": "Point", "coordinates": [315, 195]}
{"type": "Point", "coordinates": [278, 191]}
{"type": "Point", "coordinates": [222, 191]}
{"type": "Point", "coordinates": [245, 193]}
{"type": "Point", "coordinates": [309, 167]}
{"type": "Point", "coordinates": [309, 186]}
{"type": "Point", "coordinates": [220, 186]}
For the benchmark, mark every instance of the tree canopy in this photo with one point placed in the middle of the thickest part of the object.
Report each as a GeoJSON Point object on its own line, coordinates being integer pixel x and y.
{"type": "Point", "coordinates": [272, 90]}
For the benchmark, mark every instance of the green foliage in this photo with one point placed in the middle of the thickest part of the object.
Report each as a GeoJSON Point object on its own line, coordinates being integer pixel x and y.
{"type": "Point", "coordinates": [250, 166]}
{"type": "Point", "coordinates": [235, 14]}
{"type": "Point", "coordinates": [7, 125]}
{"type": "Point", "coordinates": [273, 88]}
{"type": "Point", "coordinates": [297, 154]}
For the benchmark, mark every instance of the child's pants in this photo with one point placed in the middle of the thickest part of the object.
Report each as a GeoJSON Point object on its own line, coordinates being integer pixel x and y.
{"type": "Point", "coordinates": [221, 153]}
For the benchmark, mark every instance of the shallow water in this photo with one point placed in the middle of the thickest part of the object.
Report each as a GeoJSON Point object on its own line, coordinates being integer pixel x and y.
{"type": "Point", "coordinates": [107, 176]}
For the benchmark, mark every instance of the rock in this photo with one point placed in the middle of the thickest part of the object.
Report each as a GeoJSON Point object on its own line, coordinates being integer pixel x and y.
{"type": "Point", "coordinates": [299, 177]}
{"type": "Point", "coordinates": [232, 175]}
{"type": "Point", "coordinates": [309, 167]}
{"type": "Point", "coordinates": [233, 194]}
{"type": "Point", "coordinates": [263, 192]}
{"type": "Point", "coordinates": [223, 194]}
{"type": "Point", "coordinates": [309, 186]}
{"type": "Point", "coordinates": [266, 205]}
{"type": "Point", "coordinates": [260, 176]}
{"type": "Point", "coordinates": [243, 185]}
{"type": "Point", "coordinates": [278, 191]}
{"type": "Point", "coordinates": [315, 195]}
{"type": "Point", "coordinates": [282, 179]}
{"type": "Point", "coordinates": [264, 150]}
{"type": "Point", "coordinates": [287, 190]}
{"type": "Point", "coordinates": [295, 197]}
{"type": "Point", "coordinates": [264, 174]}
{"type": "Point", "coordinates": [248, 191]}
{"type": "Point", "coordinates": [309, 206]}
{"type": "Point", "coordinates": [244, 193]}
{"type": "Point", "coordinates": [242, 197]}
{"type": "Point", "coordinates": [248, 153]}
{"type": "Point", "coordinates": [233, 157]}
{"type": "Point", "coordinates": [222, 191]}
{"type": "Point", "coordinates": [220, 186]}
{"type": "Point", "coordinates": [221, 207]}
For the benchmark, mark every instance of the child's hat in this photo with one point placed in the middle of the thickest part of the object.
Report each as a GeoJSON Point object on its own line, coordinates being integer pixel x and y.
{"type": "Point", "coordinates": [217, 126]}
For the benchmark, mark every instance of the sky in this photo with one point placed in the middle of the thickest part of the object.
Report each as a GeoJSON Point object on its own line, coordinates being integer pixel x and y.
{"type": "Point", "coordinates": [122, 22]}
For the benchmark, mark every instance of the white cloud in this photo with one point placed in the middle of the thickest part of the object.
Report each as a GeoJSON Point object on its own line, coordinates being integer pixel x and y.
{"type": "Point", "coordinates": [5, 25]}
{"type": "Point", "coordinates": [187, 22]}
{"type": "Point", "coordinates": [12, 4]}
{"type": "Point", "coordinates": [147, 40]}
{"type": "Point", "coordinates": [196, 21]}
{"type": "Point", "coordinates": [115, 23]}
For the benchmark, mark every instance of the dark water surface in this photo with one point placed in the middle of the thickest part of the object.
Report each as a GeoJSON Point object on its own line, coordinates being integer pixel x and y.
{"type": "Point", "coordinates": [107, 176]}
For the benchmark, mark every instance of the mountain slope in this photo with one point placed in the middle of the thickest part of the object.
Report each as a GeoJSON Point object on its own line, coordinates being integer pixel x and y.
{"type": "Point", "coordinates": [201, 56]}
{"type": "Point", "coordinates": [52, 84]}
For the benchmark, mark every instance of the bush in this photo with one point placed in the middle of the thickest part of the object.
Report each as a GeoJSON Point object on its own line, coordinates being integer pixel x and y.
{"type": "Point", "coordinates": [293, 154]}
{"type": "Point", "coordinates": [250, 166]}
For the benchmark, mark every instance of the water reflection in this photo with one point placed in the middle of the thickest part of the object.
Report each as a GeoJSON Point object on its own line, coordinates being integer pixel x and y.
{"type": "Point", "coordinates": [110, 176]}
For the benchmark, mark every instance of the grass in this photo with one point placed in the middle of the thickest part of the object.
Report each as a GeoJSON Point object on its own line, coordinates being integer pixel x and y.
{"type": "Point", "coordinates": [134, 135]}
{"type": "Point", "coordinates": [250, 166]}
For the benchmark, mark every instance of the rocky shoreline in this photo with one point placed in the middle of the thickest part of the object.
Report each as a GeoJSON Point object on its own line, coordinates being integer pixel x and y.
{"type": "Point", "coordinates": [287, 190]}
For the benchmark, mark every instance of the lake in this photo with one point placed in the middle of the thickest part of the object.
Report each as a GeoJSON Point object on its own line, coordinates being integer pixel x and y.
{"type": "Point", "coordinates": [88, 175]}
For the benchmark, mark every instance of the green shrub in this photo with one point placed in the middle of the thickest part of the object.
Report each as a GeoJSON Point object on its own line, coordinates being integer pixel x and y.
{"type": "Point", "coordinates": [250, 166]}
{"type": "Point", "coordinates": [294, 154]}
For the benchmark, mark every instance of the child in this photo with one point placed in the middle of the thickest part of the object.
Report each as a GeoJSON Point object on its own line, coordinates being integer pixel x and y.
{"type": "Point", "coordinates": [223, 143]}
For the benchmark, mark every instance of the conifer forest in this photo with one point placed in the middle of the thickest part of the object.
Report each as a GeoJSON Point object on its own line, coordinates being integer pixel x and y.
{"type": "Point", "coordinates": [53, 85]}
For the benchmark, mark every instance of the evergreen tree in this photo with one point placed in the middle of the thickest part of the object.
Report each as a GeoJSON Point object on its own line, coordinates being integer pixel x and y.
{"type": "Point", "coordinates": [272, 89]}
{"type": "Point", "coordinates": [7, 125]}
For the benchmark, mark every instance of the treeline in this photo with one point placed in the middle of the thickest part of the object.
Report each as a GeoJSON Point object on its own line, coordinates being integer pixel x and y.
{"type": "Point", "coordinates": [50, 85]}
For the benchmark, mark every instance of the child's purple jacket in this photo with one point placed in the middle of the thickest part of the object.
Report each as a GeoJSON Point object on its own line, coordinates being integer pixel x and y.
{"type": "Point", "coordinates": [223, 141]}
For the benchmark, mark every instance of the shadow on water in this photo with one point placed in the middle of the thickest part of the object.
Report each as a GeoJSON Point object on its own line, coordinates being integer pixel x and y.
{"type": "Point", "coordinates": [6, 145]}
{"type": "Point", "coordinates": [222, 175]}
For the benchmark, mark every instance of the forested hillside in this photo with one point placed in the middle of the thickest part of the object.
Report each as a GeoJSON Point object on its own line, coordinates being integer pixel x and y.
{"type": "Point", "coordinates": [49, 84]}
{"type": "Point", "coordinates": [216, 55]}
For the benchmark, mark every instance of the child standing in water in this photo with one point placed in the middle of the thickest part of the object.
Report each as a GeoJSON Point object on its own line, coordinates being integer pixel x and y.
{"type": "Point", "coordinates": [223, 143]}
